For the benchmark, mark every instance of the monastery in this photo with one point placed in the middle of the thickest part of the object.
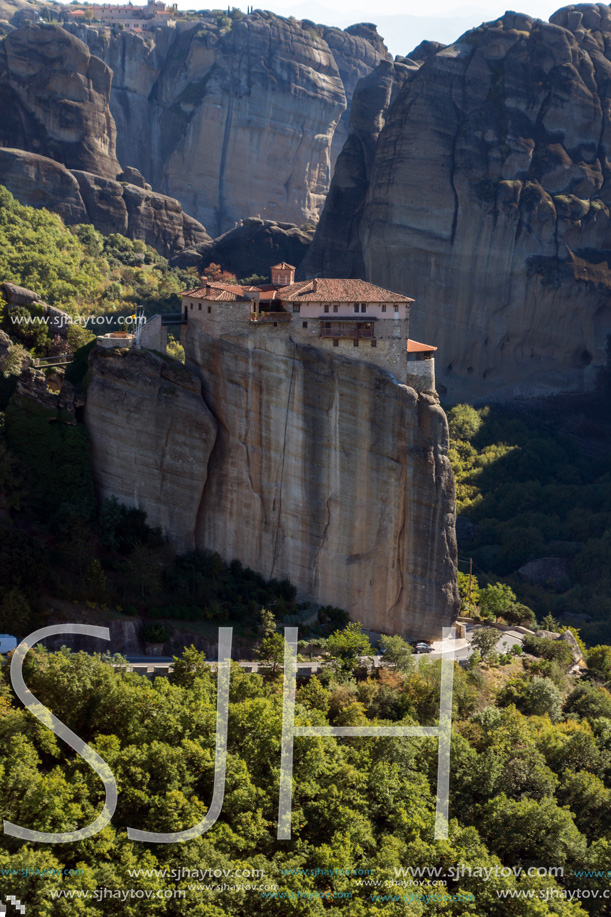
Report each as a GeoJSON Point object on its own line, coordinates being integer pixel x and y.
{"type": "Point", "coordinates": [349, 317]}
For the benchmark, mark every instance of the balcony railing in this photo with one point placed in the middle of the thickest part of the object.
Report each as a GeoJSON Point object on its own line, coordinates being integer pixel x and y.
{"type": "Point", "coordinates": [270, 317]}
{"type": "Point", "coordinates": [341, 332]}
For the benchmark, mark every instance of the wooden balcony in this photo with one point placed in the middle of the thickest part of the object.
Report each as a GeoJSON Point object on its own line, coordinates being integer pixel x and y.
{"type": "Point", "coordinates": [356, 330]}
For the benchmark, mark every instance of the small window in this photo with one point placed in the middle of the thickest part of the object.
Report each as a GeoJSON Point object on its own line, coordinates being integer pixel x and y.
{"type": "Point", "coordinates": [275, 324]}
{"type": "Point", "coordinates": [384, 308]}
{"type": "Point", "coordinates": [304, 324]}
{"type": "Point", "coordinates": [356, 342]}
{"type": "Point", "coordinates": [199, 306]}
{"type": "Point", "coordinates": [296, 307]}
{"type": "Point", "coordinates": [363, 307]}
{"type": "Point", "coordinates": [335, 307]}
{"type": "Point", "coordinates": [356, 307]}
{"type": "Point", "coordinates": [335, 342]}
{"type": "Point", "coordinates": [374, 343]}
{"type": "Point", "coordinates": [209, 309]}
{"type": "Point", "coordinates": [396, 308]}
{"type": "Point", "coordinates": [191, 307]}
{"type": "Point", "coordinates": [326, 308]}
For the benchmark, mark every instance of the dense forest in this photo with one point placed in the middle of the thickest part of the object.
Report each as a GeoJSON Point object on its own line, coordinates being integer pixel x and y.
{"type": "Point", "coordinates": [530, 787]}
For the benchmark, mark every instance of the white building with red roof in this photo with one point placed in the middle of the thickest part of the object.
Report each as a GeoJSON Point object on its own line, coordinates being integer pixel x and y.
{"type": "Point", "coordinates": [353, 318]}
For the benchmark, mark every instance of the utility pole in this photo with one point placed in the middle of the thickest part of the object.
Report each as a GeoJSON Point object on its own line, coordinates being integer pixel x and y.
{"type": "Point", "coordinates": [470, 581]}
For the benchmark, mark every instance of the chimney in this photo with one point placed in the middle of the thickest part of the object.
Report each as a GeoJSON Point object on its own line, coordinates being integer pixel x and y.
{"type": "Point", "coordinates": [315, 285]}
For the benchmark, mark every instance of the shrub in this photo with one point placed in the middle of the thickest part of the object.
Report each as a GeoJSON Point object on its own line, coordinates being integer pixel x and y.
{"type": "Point", "coordinates": [155, 633]}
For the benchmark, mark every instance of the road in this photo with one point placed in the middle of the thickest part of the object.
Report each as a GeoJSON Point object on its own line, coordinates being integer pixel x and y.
{"type": "Point", "coordinates": [160, 665]}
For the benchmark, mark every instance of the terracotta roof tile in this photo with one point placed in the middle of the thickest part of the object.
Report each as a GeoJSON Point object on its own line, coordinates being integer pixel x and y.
{"type": "Point", "coordinates": [283, 266]}
{"type": "Point", "coordinates": [214, 295]}
{"type": "Point", "coordinates": [327, 290]}
{"type": "Point", "coordinates": [415, 347]}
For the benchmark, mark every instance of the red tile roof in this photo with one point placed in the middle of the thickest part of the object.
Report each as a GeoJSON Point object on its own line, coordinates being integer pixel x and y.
{"type": "Point", "coordinates": [324, 290]}
{"type": "Point", "coordinates": [283, 266]}
{"type": "Point", "coordinates": [415, 347]}
{"type": "Point", "coordinates": [318, 290]}
{"type": "Point", "coordinates": [214, 295]}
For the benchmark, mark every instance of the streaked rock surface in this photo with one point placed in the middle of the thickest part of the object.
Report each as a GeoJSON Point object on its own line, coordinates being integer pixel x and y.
{"type": "Point", "coordinates": [299, 463]}
{"type": "Point", "coordinates": [487, 199]}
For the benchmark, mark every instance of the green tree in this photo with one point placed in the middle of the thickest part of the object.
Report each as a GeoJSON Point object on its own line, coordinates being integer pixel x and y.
{"type": "Point", "coordinates": [520, 614]}
{"type": "Point", "coordinates": [267, 624]}
{"type": "Point", "coordinates": [485, 640]}
{"type": "Point", "coordinates": [314, 695]}
{"type": "Point", "coordinates": [495, 599]}
{"type": "Point", "coordinates": [79, 336]}
{"type": "Point", "coordinates": [599, 663]}
{"type": "Point", "coordinates": [542, 697]}
{"type": "Point", "coordinates": [15, 613]}
{"type": "Point", "coordinates": [271, 651]}
{"type": "Point", "coordinates": [95, 581]}
{"type": "Point", "coordinates": [549, 623]}
{"type": "Point", "coordinates": [346, 646]}
{"type": "Point", "coordinates": [189, 667]}
{"type": "Point", "coordinates": [397, 652]}
{"type": "Point", "coordinates": [468, 588]}
{"type": "Point", "coordinates": [143, 569]}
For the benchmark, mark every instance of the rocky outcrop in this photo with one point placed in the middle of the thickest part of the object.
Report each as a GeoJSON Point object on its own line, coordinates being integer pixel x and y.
{"type": "Point", "coordinates": [487, 200]}
{"type": "Point", "coordinates": [262, 99]}
{"type": "Point", "coordinates": [301, 464]}
{"type": "Point", "coordinates": [111, 206]}
{"type": "Point", "coordinates": [337, 249]}
{"type": "Point", "coordinates": [146, 412]}
{"type": "Point", "coordinates": [57, 405]}
{"type": "Point", "coordinates": [54, 98]}
{"type": "Point", "coordinates": [252, 246]}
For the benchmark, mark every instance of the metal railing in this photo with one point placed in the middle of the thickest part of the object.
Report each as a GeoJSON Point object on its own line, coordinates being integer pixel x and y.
{"type": "Point", "coordinates": [54, 361]}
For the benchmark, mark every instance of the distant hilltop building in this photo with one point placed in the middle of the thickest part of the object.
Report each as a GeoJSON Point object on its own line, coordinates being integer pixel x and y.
{"type": "Point", "coordinates": [155, 13]}
{"type": "Point", "coordinates": [349, 317]}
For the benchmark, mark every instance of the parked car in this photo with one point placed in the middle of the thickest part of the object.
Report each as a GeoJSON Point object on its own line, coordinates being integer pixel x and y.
{"type": "Point", "coordinates": [422, 647]}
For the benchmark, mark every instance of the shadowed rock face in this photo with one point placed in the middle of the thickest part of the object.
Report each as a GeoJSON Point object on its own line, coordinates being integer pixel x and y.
{"type": "Point", "coordinates": [54, 98]}
{"type": "Point", "coordinates": [253, 246]}
{"type": "Point", "coordinates": [236, 123]}
{"type": "Point", "coordinates": [488, 201]}
{"type": "Point", "coordinates": [299, 463]}
{"type": "Point", "coordinates": [111, 206]}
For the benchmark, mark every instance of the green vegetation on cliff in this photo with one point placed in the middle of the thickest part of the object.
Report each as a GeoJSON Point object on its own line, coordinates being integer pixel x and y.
{"type": "Point", "coordinates": [531, 492]}
{"type": "Point", "coordinates": [80, 270]}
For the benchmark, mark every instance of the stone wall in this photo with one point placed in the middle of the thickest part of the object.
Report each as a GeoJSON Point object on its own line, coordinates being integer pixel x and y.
{"type": "Point", "coordinates": [228, 318]}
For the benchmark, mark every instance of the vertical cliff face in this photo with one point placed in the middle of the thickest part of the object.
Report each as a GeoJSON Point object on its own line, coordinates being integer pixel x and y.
{"type": "Point", "coordinates": [54, 98]}
{"type": "Point", "coordinates": [304, 465]}
{"type": "Point", "coordinates": [240, 122]}
{"type": "Point", "coordinates": [487, 200]}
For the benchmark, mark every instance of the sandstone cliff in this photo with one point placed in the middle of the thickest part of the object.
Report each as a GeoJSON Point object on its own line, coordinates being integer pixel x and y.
{"type": "Point", "coordinates": [235, 122]}
{"type": "Point", "coordinates": [111, 206]}
{"type": "Point", "coordinates": [299, 463]}
{"type": "Point", "coordinates": [54, 98]}
{"type": "Point", "coordinates": [487, 199]}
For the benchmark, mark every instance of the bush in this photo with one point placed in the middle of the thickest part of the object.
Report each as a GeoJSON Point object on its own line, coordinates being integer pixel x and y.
{"type": "Point", "coordinates": [155, 633]}
{"type": "Point", "coordinates": [552, 650]}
